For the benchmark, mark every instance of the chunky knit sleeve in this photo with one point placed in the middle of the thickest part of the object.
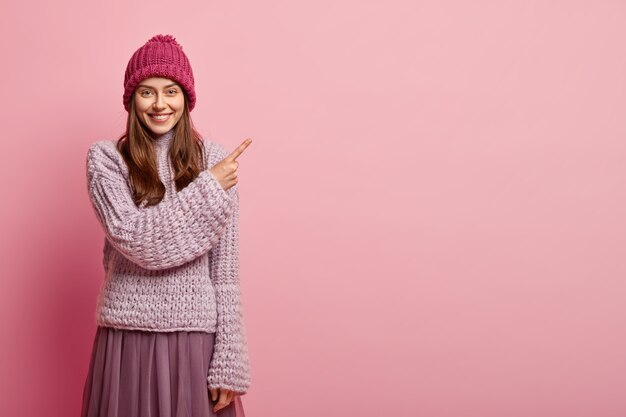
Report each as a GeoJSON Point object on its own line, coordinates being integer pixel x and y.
{"type": "Point", "coordinates": [169, 234]}
{"type": "Point", "coordinates": [229, 367]}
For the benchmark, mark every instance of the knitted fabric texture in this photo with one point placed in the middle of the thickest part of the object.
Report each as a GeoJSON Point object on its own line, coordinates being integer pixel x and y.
{"type": "Point", "coordinates": [173, 266]}
{"type": "Point", "coordinates": [161, 56]}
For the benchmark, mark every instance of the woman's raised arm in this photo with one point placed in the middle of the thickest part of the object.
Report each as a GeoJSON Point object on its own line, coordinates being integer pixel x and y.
{"type": "Point", "coordinates": [165, 235]}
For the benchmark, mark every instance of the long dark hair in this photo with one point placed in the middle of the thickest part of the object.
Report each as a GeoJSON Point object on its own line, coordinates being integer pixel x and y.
{"type": "Point", "coordinates": [137, 149]}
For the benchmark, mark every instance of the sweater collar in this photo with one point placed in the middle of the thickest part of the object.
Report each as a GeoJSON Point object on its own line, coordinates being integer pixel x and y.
{"type": "Point", "coordinates": [164, 140]}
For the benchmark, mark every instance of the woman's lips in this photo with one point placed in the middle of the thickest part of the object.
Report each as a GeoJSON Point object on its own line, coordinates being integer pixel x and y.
{"type": "Point", "coordinates": [159, 117]}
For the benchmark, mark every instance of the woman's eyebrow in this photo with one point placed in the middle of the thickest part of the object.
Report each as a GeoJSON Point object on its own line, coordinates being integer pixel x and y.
{"type": "Point", "coordinates": [167, 86]}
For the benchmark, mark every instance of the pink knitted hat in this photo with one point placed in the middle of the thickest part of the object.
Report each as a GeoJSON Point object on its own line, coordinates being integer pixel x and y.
{"type": "Point", "coordinates": [161, 56]}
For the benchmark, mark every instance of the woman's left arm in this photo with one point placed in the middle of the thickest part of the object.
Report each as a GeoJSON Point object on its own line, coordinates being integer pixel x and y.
{"type": "Point", "coordinates": [229, 367]}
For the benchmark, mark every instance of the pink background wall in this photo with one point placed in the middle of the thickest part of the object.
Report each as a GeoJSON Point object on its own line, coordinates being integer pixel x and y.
{"type": "Point", "coordinates": [433, 206]}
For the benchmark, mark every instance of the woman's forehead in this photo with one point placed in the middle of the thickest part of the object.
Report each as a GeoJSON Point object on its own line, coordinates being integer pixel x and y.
{"type": "Point", "coordinates": [158, 82]}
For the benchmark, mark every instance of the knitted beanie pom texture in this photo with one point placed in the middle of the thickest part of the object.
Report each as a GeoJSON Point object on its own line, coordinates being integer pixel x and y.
{"type": "Point", "coordinates": [161, 56]}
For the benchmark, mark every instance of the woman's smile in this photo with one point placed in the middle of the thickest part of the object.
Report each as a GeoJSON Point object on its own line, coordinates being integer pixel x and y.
{"type": "Point", "coordinates": [160, 118]}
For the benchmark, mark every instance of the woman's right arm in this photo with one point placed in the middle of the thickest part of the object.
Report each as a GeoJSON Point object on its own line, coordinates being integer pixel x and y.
{"type": "Point", "coordinates": [168, 234]}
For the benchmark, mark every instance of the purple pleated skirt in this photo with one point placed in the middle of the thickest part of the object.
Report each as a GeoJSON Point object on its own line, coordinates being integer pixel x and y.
{"type": "Point", "coordinates": [134, 373]}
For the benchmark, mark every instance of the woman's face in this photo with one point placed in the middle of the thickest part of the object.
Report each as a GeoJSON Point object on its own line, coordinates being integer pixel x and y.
{"type": "Point", "coordinates": [159, 96]}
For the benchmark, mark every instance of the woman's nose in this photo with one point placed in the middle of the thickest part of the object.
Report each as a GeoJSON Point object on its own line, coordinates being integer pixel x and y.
{"type": "Point", "coordinates": [158, 102]}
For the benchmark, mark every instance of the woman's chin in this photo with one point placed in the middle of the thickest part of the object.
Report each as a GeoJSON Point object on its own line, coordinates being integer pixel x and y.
{"type": "Point", "coordinates": [159, 128]}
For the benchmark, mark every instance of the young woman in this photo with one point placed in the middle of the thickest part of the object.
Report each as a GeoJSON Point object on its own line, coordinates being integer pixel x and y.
{"type": "Point", "coordinates": [170, 340]}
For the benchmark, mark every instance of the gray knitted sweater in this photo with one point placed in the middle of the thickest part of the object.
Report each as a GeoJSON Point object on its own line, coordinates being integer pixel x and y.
{"type": "Point", "coordinates": [173, 266]}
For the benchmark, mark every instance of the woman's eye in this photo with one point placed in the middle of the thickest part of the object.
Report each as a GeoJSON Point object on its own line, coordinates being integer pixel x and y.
{"type": "Point", "coordinates": [143, 92]}
{"type": "Point", "coordinates": [173, 91]}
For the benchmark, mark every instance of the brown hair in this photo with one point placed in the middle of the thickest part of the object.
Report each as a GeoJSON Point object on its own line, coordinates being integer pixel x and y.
{"type": "Point", "coordinates": [137, 149]}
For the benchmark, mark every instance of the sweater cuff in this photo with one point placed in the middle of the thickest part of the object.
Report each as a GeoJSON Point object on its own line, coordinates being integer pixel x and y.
{"type": "Point", "coordinates": [230, 367]}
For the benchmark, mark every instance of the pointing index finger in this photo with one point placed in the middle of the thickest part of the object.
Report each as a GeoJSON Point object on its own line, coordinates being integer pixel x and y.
{"type": "Point", "coordinates": [239, 149]}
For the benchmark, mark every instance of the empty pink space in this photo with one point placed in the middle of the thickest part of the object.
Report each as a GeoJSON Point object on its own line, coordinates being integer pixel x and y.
{"type": "Point", "coordinates": [432, 208]}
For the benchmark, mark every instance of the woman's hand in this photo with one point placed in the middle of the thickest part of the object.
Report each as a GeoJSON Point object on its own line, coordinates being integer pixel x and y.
{"type": "Point", "coordinates": [225, 171]}
{"type": "Point", "coordinates": [225, 397]}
